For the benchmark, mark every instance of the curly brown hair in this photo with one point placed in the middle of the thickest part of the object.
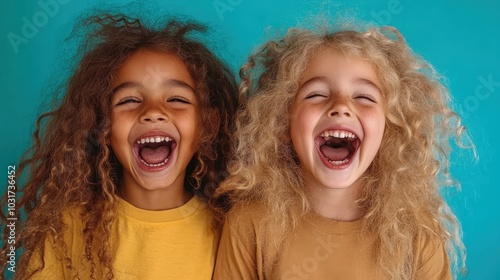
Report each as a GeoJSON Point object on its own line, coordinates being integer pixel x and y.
{"type": "Point", "coordinates": [400, 197]}
{"type": "Point", "coordinates": [71, 165]}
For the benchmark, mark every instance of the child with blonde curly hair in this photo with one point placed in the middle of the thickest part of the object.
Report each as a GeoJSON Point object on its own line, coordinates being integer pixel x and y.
{"type": "Point", "coordinates": [340, 153]}
{"type": "Point", "coordinates": [122, 172]}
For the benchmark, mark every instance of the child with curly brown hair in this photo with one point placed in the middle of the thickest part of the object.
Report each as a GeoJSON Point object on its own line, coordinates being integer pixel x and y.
{"type": "Point", "coordinates": [122, 172]}
{"type": "Point", "coordinates": [340, 154]}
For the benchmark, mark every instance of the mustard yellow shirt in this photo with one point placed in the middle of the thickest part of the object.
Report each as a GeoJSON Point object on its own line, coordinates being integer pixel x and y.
{"type": "Point", "coordinates": [171, 244]}
{"type": "Point", "coordinates": [318, 250]}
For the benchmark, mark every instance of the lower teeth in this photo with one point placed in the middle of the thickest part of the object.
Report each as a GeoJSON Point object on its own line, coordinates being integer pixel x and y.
{"type": "Point", "coordinates": [155, 164]}
{"type": "Point", "coordinates": [339, 162]}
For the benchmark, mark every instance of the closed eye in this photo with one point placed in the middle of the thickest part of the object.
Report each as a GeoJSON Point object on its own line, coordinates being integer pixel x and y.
{"type": "Point", "coordinates": [128, 100]}
{"type": "Point", "coordinates": [315, 94]}
{"type": "Point", "coordinates": [366, 97]}
{"type": "Point", "coordinates": [179, 99]}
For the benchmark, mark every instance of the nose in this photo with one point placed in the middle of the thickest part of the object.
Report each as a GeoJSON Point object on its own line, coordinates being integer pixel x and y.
{"type": "Point", "coordinates": [340, 108]}
{"type": "Point", "coordinates": [340, 112]}
{"type": "Point", "coordinates": [154, 114]}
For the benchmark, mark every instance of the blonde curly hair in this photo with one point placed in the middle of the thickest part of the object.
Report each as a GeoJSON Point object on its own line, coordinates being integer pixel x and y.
{"type": "Point", "coordinates": [400, 197]}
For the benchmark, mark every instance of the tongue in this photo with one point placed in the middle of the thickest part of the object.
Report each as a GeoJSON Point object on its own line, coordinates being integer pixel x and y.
{"type": "Point", "coordinates": [155, 155]}
{"type": "Point", "coordinates": [334, 154]}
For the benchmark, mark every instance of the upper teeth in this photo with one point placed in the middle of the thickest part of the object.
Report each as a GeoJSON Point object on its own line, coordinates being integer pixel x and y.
{"type": "Point", "coordinates": [338, 134]}
{"type": "Point", "coordinates": [156, 139]}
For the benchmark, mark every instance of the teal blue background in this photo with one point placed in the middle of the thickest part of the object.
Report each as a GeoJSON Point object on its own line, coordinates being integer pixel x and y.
{"type": "Point", "coordinates": [462, 40]}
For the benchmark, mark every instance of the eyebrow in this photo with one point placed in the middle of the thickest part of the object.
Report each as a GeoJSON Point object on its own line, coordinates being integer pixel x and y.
{"type": "Point", "coordinates": [164, 84]}
{"type": "Point", "coordinates": [362, 81]}
{"type": "Point", "coordinates": [317, 79]}
{"type": "Point", "coordinates": [324, 80]}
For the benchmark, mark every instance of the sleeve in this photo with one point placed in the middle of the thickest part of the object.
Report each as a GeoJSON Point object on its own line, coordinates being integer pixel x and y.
{"type": "Point", "coordinates": [432, 260]}
{"type": "Point", "coordinates": [236, 258]}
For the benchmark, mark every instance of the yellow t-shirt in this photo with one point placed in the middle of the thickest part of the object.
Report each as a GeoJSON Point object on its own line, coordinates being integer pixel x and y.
{"type": "Point", "coordinates": [171, 244]}
{"type": "Point", "coordinates": [319, 249]}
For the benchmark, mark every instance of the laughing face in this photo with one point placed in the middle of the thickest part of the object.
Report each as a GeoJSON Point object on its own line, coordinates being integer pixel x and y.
{"type": "Point", "coordinates": [337, 120]}
{"type": "Point", "coordinates": [153, 123]}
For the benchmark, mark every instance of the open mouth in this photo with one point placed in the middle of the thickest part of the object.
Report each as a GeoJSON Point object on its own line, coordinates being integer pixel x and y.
{"type": "Point", "coordinates": [338, 146]}
{"type": "Point", "coordinates": [154, 151]}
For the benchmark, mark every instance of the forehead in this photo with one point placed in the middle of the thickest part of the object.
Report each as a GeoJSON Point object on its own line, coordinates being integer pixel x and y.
{"type": "Point", "coordinates": [331, 62]}
{"type": "Point", "coordinates": [145, 66]}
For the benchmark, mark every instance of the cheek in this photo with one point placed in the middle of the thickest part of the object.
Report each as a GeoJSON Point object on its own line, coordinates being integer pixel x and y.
{"type": "Point", "coordinates": [375, 121]}
{"type": "Point", "coordinates": [119, 128]}
{"type": "Point", "coordinates": [117, 147]}
{"type": "Point", "coordinates": [380, 123]}
{"type": "Point", "coordinates": [189, 124]}
{"type": "Point", "coordinates": [194, 123]}
{"type": "Point", "coordinates": [295, 127]}
{"type": "Point", "coordinates": [114, 133]}
{"type": "Point", "coordinates": [116, 140]}
{"type": "Point", "coordinates": [303, 120]}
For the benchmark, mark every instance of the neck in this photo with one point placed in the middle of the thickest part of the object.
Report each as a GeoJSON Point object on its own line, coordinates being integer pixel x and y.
{"type": "Point", "coordinates": [336, 204]}
{"type": "Point", "coordinates": [161, 199]}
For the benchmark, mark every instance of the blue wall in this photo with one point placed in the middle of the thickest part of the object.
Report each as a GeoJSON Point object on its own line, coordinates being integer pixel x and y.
{"type": "Point", "coordinates": [461, 40]}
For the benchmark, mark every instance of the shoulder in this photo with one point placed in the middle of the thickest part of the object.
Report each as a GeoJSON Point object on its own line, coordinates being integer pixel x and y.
{"type": "Point", "coordinates": [431, 258]}
{"type": "Point", "coordinates": [244, 223]}
{"type": "Point", "coordinates": [245, 215]}
{"type": "Point", "coordinates": [427, 244]}
{"type": "Point", "coordinates": [72, 216]}
{"type": "Point", "coordinates": [73, 226]}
